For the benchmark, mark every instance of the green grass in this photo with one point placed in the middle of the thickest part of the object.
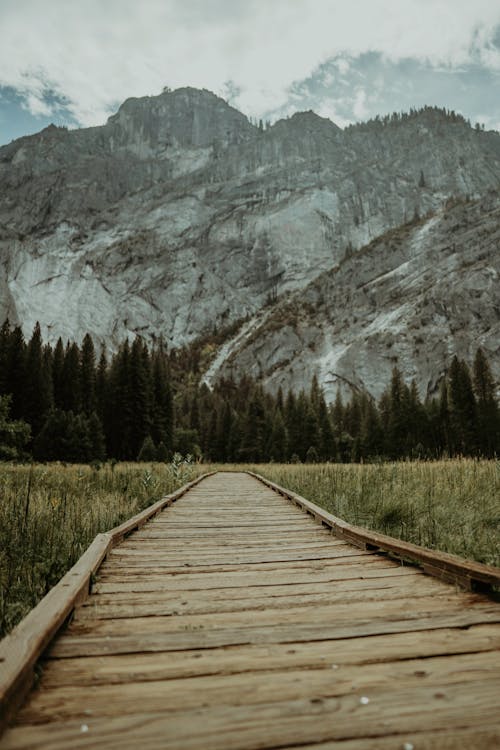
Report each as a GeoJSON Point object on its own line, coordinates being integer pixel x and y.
{"type": "Point", "coordinates": [453, 506]}
{"type": "Point", "coordinates": [50, 514]}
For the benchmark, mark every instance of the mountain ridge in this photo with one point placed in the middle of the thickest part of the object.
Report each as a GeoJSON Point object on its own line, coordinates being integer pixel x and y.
{"type": "Point", "coordinates": [179, 215]}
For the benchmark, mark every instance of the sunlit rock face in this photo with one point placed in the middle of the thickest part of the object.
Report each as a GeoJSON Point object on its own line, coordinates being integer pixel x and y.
{"type": "Point", "coordinates": [179, 215]}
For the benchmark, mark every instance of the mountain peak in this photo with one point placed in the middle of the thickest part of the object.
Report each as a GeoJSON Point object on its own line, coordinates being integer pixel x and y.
{"type": "Point", "coordinates": [183, 117]}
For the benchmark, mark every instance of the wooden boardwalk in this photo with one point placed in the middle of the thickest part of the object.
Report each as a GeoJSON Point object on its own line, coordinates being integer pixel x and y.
{"type": "Point", "coordinates": [234, 621]}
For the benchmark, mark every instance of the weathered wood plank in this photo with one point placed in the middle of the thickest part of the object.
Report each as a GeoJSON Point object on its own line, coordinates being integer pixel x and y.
{"type": "Point", "coordinates": [71, 644]}
{"type": "Point", "coordinates": [155, 605]}
{"type": "Point", "coordinates": [435, 673]}
{"type": "Point", "coordinates": [441, 604]}
{"type": "Point", "coordinates": [129, 582]}
{"type": "Point", "coordinates": [264, 726]}
{"type": "Point", "coordinates": [237, 659]}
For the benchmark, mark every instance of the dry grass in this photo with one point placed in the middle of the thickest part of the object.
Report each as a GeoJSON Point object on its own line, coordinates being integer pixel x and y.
{"type": "Point", "coordinates": [50, 514]}
{"type": "Point", "coordinates": [453, 506]}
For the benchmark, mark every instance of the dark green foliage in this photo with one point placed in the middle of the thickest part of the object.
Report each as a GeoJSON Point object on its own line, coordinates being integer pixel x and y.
{"type": "Point", "coordinates": [144, 404]}
{"type": "Point", "coordinates": [70, 437]}
{"type": "Point", "coordinates": [14, 435]}
{"type": "Point", "coordinates": [488, 413]}
{"type": "Point", "coordinates": [38, 390]}
{"type": "Point", "coordinates": [148, 451]}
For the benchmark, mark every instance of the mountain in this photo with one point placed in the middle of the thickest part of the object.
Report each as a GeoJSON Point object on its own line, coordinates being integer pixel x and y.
{"type": "Point", "coordinates": [412, 298]}
{"type": "Point", "coordinates": [179, 216]}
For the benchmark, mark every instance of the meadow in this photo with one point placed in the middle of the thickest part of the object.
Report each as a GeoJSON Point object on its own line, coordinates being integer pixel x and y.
{"type": "Point", "coordinates": [50, 513]}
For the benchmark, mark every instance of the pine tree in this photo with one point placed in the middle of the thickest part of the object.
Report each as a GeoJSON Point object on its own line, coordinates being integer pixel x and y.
{"type": "Point", "coordinates": [70, 389]}
{"type": "Point", "coordinates": [326, 437]}
{"type": "Point", "coordinates": [58, 374]}
{"type": "Point", "coordinates": [16, 372]}
{"type": "Point", "coordinates": [278, 449]}
{"type": "Point", "coordinates": [148, 450]}
{"type": "Point", "coordinates": [140, 390]}
{"type": "Point", "coordinates": [163, 405]}
{"type": "Point", "coordinates": [14, 434]}
{"type": "Point", "coordinates": [463, 411]}
{"type": "Point", "coordinates": [88, 376]}
{"type": "Point", "coordinates": [37, 395]}
{"type": "Point", "coordinates": [370, 438]}
{"type": "Point", "coordinates": [4, 356]}
{"type": "Point", "coordinates": [97, 438]}
{"type": "Point", "coordinates": [488, 413]}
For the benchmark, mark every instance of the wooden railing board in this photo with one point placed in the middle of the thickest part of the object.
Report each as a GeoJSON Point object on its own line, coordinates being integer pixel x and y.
{"type": "Point", "coordinates": [469, 574]}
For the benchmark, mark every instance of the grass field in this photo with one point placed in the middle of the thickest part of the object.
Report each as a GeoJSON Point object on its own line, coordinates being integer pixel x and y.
{"type": "Point", "coordinates": [452, 505]}
{"type": "Point", "coordinates": [49, 514]}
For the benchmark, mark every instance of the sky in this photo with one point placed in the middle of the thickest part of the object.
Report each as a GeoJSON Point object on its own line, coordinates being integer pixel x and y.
{"type": "Point", "coordinates": [73, 63]}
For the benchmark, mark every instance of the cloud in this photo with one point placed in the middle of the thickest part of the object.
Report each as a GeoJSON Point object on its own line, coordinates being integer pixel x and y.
{"type": "Point", "coordinates": [95, 54]}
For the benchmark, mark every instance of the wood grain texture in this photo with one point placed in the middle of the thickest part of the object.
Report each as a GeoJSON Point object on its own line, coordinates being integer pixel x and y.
{"type": "Point", "coordinates": [233, 620]}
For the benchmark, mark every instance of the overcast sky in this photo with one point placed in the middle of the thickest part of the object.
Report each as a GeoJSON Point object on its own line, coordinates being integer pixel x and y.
{"type": "Point", "coordinates": [74, 61]}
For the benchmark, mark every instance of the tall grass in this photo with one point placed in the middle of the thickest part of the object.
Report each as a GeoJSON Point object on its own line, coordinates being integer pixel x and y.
{"type": "Point", "coordinates": [50, 514]}
{"type": "Point", "coordinates": [453, 506]}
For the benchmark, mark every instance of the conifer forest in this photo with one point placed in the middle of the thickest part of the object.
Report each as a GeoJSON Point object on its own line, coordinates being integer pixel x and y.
{"type": "Point", "coordinates": [69, 403]}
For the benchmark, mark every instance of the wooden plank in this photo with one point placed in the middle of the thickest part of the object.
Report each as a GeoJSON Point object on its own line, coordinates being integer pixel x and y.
{"type": "Point", "coordinates": [154, 605]}
{"type": "Point", "coordinates": [265, 726]}
{"type": "Point", "coordinates": [120, 581]}
{"type": "Point", "coordinates": [72, 644]}
{"type": "Point", "coordinates": [436, 603]}
{"type": "Point", "coordinates": [174, 695]}
{"type": "Point", "coordinates": [332, 654]}
{"type": "Point", "coordinates": [483, 738]}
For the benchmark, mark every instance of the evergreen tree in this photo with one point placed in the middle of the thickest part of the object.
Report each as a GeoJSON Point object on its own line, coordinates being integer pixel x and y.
{"type": "Point", "coordinates": [327, 448]}
{"type": "Point", "coordinates": [140, 395]}
{"type": "Point", "coordinates": [4, 357]}
{"type": "Point", "coordinates": [88, 376]}
{"type": "Point", "coordinates": [37, 395]}
{"type": "Point", "coordinates": [101, 388]}
{"type": "Point", "coordinates": [70, 389]}
{"type": "Point", "coordinates": [463, 413]}
{"type": "Point", "coordinates": [163, 406]}
{"type": "Point", "coordinates": [370, 437]}
{"type": "Point", "coordinates": [278, 449]}
{"type": "Point", "coordinates": [148, 450]}
{"type": "Point", "coordinates": [58, 374]}
{"type": "Point", "coordinates": [488, 413]}
{"type": "Point", "coordinates": [14, 434]}
{"type": "Point", "coordinates": [253, 439]}
{"type": "Point", "coordinates": [292, 424]}
{"type": "Point", "coordinates": [97, 438]}
{"type": "Point", "coordinates": [16, 372]}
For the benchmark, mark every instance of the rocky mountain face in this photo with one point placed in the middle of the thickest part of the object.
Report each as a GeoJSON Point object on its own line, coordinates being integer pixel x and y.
{"type": "Point", "coordinates": [179, 215]}
{"type": "Point", "coordinates": [412, 298]}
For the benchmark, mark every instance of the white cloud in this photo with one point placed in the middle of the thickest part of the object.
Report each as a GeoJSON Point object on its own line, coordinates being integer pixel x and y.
{"type": "Point", "coordinates": [359, 107]}
{"type": "Point", "coordinates": [96, 54]}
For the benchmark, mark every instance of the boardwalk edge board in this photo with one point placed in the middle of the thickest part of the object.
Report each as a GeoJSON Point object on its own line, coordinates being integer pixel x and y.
{"type": "Point", "coordinates": [21, 649]}
{"type": "Point", "coordinates": [468, 574]}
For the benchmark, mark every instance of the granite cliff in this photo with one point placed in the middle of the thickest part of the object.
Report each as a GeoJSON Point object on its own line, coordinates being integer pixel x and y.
{"type": "Point", "coordinates": [179, 215]}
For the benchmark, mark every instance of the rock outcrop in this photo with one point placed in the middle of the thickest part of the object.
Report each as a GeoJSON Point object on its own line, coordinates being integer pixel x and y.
{"type": "Point", "coordinates": [179, 215]}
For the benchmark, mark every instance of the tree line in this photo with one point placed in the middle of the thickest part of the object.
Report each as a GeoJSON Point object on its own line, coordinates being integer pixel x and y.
{"type": "Point", "coordinates": [62, 402]}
